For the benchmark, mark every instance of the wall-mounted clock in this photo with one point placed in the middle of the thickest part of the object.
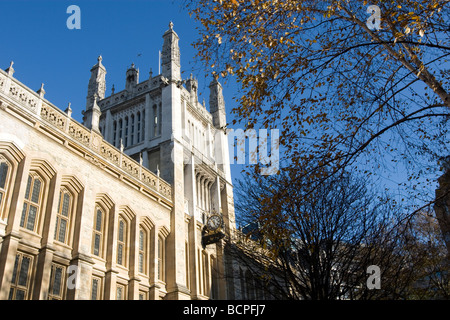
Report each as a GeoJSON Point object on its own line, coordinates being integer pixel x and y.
{"type": "Point", "coordinates": [214, 222]}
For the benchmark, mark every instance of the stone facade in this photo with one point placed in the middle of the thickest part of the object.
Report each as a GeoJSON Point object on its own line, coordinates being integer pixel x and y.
{"type": "Point", "coordinates": [114, 208]}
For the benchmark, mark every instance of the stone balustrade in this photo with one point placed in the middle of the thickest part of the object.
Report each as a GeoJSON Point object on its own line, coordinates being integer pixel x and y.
{"type": "Point", "coordinates": [34, 103]}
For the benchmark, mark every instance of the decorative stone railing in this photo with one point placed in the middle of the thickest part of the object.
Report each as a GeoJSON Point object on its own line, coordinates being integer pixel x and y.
{"type": "Point", "coordinates": [141, 88]}
{"type": "Point", "coordinates": [35, 103]}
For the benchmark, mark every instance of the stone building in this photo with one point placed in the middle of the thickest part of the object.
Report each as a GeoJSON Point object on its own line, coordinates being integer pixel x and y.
{"type": "Point", "coordinates": [116, 207]}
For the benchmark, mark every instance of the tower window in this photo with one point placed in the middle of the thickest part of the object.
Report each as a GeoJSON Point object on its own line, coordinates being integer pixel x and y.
{"type": "Point", "coordinates": [143, 125]}
{"type": "Point", "coordinates": [155, 120]}
{"type": "Point", "coordinates": [138, 135]}
{"type": "Point", "coordinates": [159, 118]}
{"type": "Point", "coordinates": [132, 129]}
{"type": "Point", "coordinates": [126, 132]}
{"type": "Point", "coordinates": [120, 129]}
{"type": "Point", "coordinates": [115, 133]}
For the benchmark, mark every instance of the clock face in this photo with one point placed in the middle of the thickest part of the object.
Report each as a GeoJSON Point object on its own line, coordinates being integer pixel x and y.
{"type": "Point", "coordinates": [214, 222]}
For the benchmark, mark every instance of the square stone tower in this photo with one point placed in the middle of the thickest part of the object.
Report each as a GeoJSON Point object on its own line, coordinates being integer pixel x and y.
{"type": "Point", "coordinates": [161, 124]}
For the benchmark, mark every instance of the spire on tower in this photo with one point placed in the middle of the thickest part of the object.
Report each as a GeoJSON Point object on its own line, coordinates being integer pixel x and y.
{"type": "Point", "coordinates": [97, 83]}
{"type": "Point", "coordinates": [96, 92]}
{"type": "Point", "coordinates": [192, 87]}
{"type": "Point", "coordinates": [132, 78]}
{"type": "Point", "coordinates": [170, 55]}
{"type": "Point", "coordinates": [217, 104]}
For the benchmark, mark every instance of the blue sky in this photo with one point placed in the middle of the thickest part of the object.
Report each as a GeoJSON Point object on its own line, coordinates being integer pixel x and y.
{"type": "Point", "coordinates": [44, 50]}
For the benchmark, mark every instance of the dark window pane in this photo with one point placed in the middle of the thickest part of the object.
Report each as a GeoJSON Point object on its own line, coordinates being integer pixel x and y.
{"type": "Point", "coordinates": [31, 218]}
{"type": "Point", "coordinates": [141, 240]}
{"type": "Point", "coordinates": [98, 224]}
{"type": "Point", "coordinates": [94, 289]}
{"type": "Point", "coordinates": [3, 174]}
{"type": "Point", "coordinates": [57, 282]}
{"type": "Point", "coordinates": [23, 275]}
{"type": "Point", "coordinates": [24, 213]}
{"type": "Point", "coordinates": [56, 228]}
{"type": "Point", "coordinates": [97, 245]}
{"type": "Point", "coordinates": [121, 227]}
{"type": "Point", "coordinates": [20, 294]}
{"type": "Point", "coordinates": [59, 201]}
{"type": "Point", "coordinates": [119, 253]}
{"type": "Point", "coordinates": [62, 231]}
{"type": "Point", "coordinates": [36, 191]}
{"type": "Point", "coordinates": [65, 208]}
{"type": "Point", "coordinates": [141, 262]}
{"type": "Point", "coordinates": [27, 192]}
{"type": "Point", "coordinates": [16, 264]}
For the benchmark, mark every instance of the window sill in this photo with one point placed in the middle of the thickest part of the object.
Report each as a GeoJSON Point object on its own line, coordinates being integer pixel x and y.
{"type": "Point", "coordinates": [28, 235]}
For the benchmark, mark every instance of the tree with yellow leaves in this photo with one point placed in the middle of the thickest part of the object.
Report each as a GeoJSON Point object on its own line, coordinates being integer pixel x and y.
{"type": "Point", "coordinates": [352, 85]}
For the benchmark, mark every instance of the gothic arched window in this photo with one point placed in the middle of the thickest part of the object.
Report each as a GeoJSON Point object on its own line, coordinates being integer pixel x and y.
{"type": "Point", "coordinates": [161, 258]}
{"type": "Point", "coordinates": [120, 130]}
{"type": "Point", "coordinates": [143, 125]}
{"type": "Point", "coordinates": [126, 133]}
{"type": "Point", "coordinates": [98, 232]}
{"type": "Point", "coordinates": [4, 170]}
{"type": "Point", "coordinates": [32, 202]}
{"type": "Point", "coordinates": [138, 135]}
{"type": "Point", "coordinates": [115, 133]}
{"type": "Point", "coordinates": [122, 236]}
{"type": "Point", "coordinates": [63, 217]}
{"type": "Point", "coordinates": [142, 251]}
{"type": "Point", "coordinates": [155, 120]}
{"type": "Point", "coordinates": [132, 130]}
